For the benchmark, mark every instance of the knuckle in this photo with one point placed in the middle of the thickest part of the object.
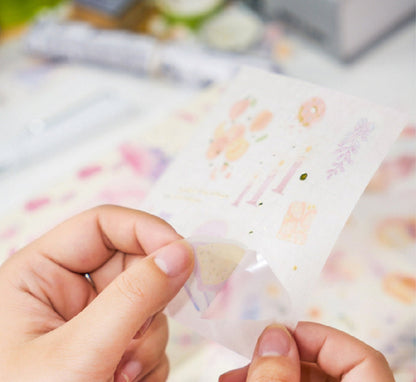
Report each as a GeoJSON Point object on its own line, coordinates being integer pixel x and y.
{"type": "Point", "coordinates": [129, 288]}
{"type": "Point", "coordinates": [165, 367]}
{"type": "Point", "coordinates": [267, 370]}
{"type": "Point", "coordinates": [161, 372]}
{"type": "Point", "coordinates": [153, 351]}
{"type": "Point", "coordinates": [268, 378]}
{"type": "Point", "coordinates": [159, 329]}
{"type": "Point", "coordinates": [379, 357]}
{"type": "Point", "coordinates": [99, 209]}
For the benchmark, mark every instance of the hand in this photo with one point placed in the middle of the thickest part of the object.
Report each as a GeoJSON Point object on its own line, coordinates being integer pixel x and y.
{"type": "Point", "coordinates": [315, 353]}
{"type": "Point", "coordinates": [57, 326]}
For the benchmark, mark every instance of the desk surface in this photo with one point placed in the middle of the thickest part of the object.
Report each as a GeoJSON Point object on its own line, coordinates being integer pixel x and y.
{"type": "Point", "coordinates": [373, 251]}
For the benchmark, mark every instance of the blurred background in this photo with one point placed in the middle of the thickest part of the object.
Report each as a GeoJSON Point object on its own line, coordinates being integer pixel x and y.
{"type": "Point", "coordinates": [98, 96]}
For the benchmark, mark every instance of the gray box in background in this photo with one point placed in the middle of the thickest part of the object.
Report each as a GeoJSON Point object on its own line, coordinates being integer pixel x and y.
{"type": "Point", "coordinates": [344, 27]}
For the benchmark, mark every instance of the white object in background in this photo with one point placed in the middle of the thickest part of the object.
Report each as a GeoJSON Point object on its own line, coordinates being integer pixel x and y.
{"type": "Point", "coordinates": [236, 28]}
{"type": "Point", "coordinates": [344, 27]}
{"type": "Point", "coordinates": [188, 8]}
{"type": "Point", "coordinates": [136, 53]}
{"type": "Point", "coordinates": [77, 122]}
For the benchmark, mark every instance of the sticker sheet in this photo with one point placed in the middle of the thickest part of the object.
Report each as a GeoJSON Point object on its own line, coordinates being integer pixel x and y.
{"type": "Point", "coordinates": [277, 167]}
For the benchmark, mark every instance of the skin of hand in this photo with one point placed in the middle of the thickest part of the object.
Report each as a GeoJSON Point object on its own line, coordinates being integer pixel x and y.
{"type": "Point", "coordinates": [312, 353]}
{"type": "Point", "coordinates": [57, 326]}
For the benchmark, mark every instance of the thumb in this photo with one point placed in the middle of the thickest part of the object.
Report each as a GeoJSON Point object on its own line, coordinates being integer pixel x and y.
{"type": "Point", "coordinates": [108, 324]}
{"type": "Point", "coordinates": [276, 357]}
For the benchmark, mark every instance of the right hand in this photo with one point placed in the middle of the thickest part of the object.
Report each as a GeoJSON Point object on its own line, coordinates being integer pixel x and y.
{"type": "Point", "coordinates": [314, 353]}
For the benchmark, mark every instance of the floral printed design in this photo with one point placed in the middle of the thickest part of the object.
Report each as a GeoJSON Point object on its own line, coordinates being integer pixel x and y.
{"type": "Point", "coordinates": [236, 149]}
{"type": "Point", "coordinates": [401, 287]}
{"type": "Point", "coordinates": [297, 223]}
{"type": "Point", "coordinates": [143, 161]}
{"type": "Point", "coordinates": [261, 120]}
{"type": "Point", "coordinates": [239, 108]}
{"type": "Point", "coordinates": [35, 204]}
{"type": "Point", "coordinates": [350, 146]}
{"type": "Point", "coordinates": [223, 139]}
{"type": "Point", "coordinates": [230, 136]}
{"type": "Point", "coordinates": [8, 233]}
{"type": "Point", "coordinates": [392, 171]}
{"type": "Point", "coordinates": [397, 232]}
{"type": "Point", "coordinates": [311, 111]}
{"type": "Point", "coordinates": [89, 171]}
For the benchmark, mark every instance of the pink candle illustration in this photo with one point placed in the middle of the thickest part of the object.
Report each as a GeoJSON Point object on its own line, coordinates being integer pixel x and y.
{"type": "Point", "coordinates": [285, 181]}
{"type": "Point", "coordinates": [254, 201]}
{"type": "Point", "coordinates": [245, 191]}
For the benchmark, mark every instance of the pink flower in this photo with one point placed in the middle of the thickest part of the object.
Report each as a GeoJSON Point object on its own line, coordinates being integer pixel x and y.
{"type": "Point", "coordinates": [89, 171]}
{"type": "Point", "coordinates": [35, 204]}
{"type": "Point", "coordinates": [239, 108]}
{"type": "Point", "coordinates": [261, 121]}
{"type": "Point", "coordinates": [144, 161]}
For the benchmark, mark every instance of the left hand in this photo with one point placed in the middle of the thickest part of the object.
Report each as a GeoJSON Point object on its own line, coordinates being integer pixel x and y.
{"type": "Point", "coordinates": [56, 326]}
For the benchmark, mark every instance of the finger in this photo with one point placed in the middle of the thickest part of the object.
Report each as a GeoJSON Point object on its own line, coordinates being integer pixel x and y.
{"type": "Point", "coordinates": [340, 355]}
{"type": "Point", "coordinates": [160, 374]}
{"type": "Point", "coordinates": [276, 357]}
{"type": "Point", "coordinates": [106, 326]}
{"type": "Point", "coordinates": [310, 372]}
{"type": "Point", "coordinates": [238, 375]}
{"type": "Point", "coordinates": [86, 241]}
{"type": "Point", "coordinates": [143, 355]}
{"type": "Point", "coordinates": [116, 264]}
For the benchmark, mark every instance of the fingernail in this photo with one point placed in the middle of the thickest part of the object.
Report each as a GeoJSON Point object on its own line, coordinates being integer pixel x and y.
{"type": "Point", "coordinates": [275, 341]}
{"type": "Point", "coordinates": [174, 259]}
{"type": "Point", "coordinates": [131, 370]}
{"type": "Point", "coordinates": [144, 327]}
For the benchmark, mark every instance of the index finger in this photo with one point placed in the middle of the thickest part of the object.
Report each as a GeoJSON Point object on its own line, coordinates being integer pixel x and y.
{"type": "Point", "coordinates": [86, 241]}
{"type": "Point", "coordinates": [340, 355]}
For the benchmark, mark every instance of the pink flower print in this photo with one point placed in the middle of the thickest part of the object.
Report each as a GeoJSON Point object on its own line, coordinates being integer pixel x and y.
{"type": "Point", "coordinates": [408, 132]}
{"type": "Point", "coordinates": [121, 194]}
{"type": "Point", "coordinates": [186, 116]}
{"type": "Point", "coordinates": [391, 172]}
{"type": "Point", "coordinates": [222, 139]}
{"type": "Point", "coordinates": [35, 204]}
{"type": "Point", "coordinates": [405, 165]}
{"type": "Point", "coordinates": [8, 233]}
{"type": "Point", "coordinates": [147, 162]}
{"type": "Point", "coordinates": [218, 144]}
{"type": "Point", "coordinates": [311, 111]}
{"type": "Point", "coordinates": [216, 148]}
{"type": "Point", "coordinates": [297, 223]}
{"type": "Point", "coordinates": [239, 108]}
{"type": "Point", "coordinates": [137, 158]}
{"type": "Point", "coordinates": [261, 121]}
{"type": "Point", "coordinates": [397, 232]}
{"type": "Point", "coordinates": [236, 149]}
{"type": "Point", "coordinates": [89, 171]}
{"type": "Point", "coordinates": [400, 286]}
{"type": "Point", "coordinates": [235, 132]}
